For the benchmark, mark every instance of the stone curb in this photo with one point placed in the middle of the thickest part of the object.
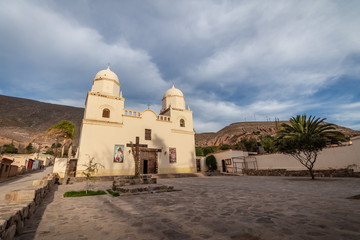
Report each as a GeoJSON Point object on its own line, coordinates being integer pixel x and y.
{"type": "Point", "coordinates": [20, 205]}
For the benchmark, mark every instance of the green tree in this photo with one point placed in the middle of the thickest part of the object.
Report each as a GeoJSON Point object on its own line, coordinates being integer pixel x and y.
{"type": "Point", "coordinates": [249, 145]}
{"type": "Point", "coordinates": [224, 147]}
{"type": "Point", "coordinates": [305, 137]}
{"type": "Point", "coordinates": [199, 151]}
{"type": "Point", "coordinates": [211, 163]}
{"type": "Point", "coordinates": [209, 149]}
{"type": "Point", "coordinates": [9, 148]}
{"type": "Point", "coordinates": [268, 142]}
{"type": "Point", "coordinates": [90, 170]}
{"type": "Point", "coordinates": [29, 148]}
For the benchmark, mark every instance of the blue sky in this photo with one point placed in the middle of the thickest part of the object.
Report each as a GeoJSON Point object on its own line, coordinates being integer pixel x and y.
{"type": "Point", "coordinates": [233, 60]}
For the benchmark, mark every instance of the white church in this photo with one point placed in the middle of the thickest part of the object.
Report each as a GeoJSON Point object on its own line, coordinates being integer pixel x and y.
{"type": "Point", "coordinates": [166, 141]}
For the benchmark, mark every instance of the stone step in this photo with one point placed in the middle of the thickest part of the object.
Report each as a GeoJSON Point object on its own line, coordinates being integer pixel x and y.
{"type": "Point", "coordinates": [178, 175]}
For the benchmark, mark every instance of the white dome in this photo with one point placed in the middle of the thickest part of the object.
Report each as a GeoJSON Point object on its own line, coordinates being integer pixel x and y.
{"type": "Point", "coordinates": [106, 74]}
{"type": "Point", "coordinates": [173, 92]}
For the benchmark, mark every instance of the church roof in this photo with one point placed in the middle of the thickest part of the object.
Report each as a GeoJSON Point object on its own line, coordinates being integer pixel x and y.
{"type": "Point", "coordinates": [106, 74]}
{"type": "Point", "coordinates": [173, 92]}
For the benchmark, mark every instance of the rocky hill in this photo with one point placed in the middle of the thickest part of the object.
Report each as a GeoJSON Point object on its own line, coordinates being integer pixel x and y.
{"type": "Point", "coordinates": [236, 131]}
{"type": "Point", "coordinates": [21, 119]}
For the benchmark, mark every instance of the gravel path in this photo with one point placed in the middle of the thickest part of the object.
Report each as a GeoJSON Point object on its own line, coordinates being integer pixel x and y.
{"type": "Point", "coordinates": [22, 181]}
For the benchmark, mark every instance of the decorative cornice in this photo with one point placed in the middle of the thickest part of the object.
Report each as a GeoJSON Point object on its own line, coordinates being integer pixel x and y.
{"type": "Point", "coordinates": [105, 96]}
{"type": "Point", "coordinates": [173, 96]}
{"type": "Point", "coordinates": [107, 79]}
{"type": "Point", "coordinates": [99, 122]}
{"type": "Point", "coordinates": [182, 131]}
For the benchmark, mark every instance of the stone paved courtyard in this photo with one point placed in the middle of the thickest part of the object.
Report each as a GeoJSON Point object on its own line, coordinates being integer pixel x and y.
{"type": "Point", "coordinates": [207, 208]}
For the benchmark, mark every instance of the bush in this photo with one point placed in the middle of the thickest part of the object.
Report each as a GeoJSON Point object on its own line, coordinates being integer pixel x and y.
{"type": "Point", "coordinates": [224, 147]}
{"type": "Point", "coordinates": [29, 148]}
{"type": "Point", "coordinates": [199, 151]}
{"type": "Point", "coordinates": [207, 150]}
{"type": "Point", "coordinates": [211, 163]}
{"type": "Point", "coordinates": [9, 148]}
{"type": "Point", "coordinates": [249, 145]}
{"type": "Point", "coordinates": [51, 152]}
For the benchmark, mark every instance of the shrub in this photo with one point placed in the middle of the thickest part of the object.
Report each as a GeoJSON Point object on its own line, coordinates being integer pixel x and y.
{"type": "Point", "coordinates": [211, 163]}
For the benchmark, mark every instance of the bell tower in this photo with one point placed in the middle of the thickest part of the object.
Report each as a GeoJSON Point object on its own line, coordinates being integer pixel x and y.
{"type": "Point", "coordinates": [104, 103]}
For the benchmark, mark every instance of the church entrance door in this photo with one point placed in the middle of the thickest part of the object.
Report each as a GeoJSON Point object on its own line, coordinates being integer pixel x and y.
{"type": "Point", "coordinates": [148, 161]}
{"type": "Point", "coordinates": [145, 166]}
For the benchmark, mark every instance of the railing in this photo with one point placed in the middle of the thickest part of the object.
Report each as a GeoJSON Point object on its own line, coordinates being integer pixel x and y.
{"type": "Point", "coordinates": [133, 113]}
{"type": "Point", "coordinates": [163, 118]}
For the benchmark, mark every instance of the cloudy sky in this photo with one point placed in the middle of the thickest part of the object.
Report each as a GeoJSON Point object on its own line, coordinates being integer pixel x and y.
{"type": "Point", "coordinates": [233, 60]}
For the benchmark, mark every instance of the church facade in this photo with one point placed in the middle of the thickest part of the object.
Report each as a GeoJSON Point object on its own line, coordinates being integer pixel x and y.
{"type": "Point", "coordinates": [110, 133]}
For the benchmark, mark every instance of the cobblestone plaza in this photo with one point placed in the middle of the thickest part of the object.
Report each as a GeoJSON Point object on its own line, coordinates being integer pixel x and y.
{"type": "Point", "coordinates": [207, 208]}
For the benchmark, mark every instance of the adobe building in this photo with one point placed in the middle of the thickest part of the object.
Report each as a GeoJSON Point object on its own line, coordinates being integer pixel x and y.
{"type": "Point", "coordinates": [165, 141]}
{"type": "Point", "coordinates": [231, 161]}
{"type": "Point", "coordinates": [6, 169]}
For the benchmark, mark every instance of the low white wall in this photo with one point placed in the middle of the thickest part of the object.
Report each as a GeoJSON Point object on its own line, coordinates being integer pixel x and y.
{"type": "Point", "coordinates": [60, 166]}
{"type": "Point", "coordinates": [329, 158]}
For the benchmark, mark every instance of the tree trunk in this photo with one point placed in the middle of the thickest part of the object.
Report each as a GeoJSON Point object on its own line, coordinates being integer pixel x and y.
{"type": "Point", "coordinates": [312, 174]}
{"type": "Point", "coordinates": [56, 148]}
{"type": "Point", "coordinates": [62, 150]}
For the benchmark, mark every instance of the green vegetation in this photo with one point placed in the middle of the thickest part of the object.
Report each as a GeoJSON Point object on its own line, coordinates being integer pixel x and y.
{"type": "Point", "coordinates": [305, 137]}
{"type": "Point", "coordinates": [63, 130]}
{"type": "Point", "coordinates": [83, 193]}
{"type": "Point", "coordinates": [9, 148]}
{"type": "Point", "coordinates": [268, 142]}
{"type": "Point", "coordinates": [249, 145]}
{"type": "Point", "coordinates": [51, 152]}
{"type": "Point", "coordinates": [54, 145]}
{"type": "Point", "coordinates": [203, 151]}
{"type": "Point", "coordinates": [29, 148]}
{"type": "Point", "coordinates": [90, 170]}
{"type": "Point", "coordinates": [114, 194]}
{"type": "Point", "coordinates": [211, 163]}
{"type": "Point", "coordinates": [199, 151]}
{"type": "Point", "coordinates": [224, 147]}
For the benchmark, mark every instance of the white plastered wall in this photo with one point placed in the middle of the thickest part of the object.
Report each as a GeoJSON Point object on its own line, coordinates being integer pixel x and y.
{"type": "Point", "coordinates": [329, 158]}
{"type": "Point", "coordinates": [98, 140]}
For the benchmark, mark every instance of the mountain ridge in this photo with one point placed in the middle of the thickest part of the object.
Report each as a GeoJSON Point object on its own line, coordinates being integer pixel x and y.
{"type": "Point", "coordinates": [21, 119]}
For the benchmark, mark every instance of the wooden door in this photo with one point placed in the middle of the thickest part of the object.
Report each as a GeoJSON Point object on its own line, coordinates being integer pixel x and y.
{"type": "Point", "coordinates": [148, 160]}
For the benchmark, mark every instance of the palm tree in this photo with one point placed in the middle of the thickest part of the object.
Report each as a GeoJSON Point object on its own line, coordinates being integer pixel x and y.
{"type": "Point", "coordinates": [305, 137]}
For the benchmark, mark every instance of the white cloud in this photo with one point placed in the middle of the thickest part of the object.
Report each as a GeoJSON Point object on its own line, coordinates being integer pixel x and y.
{"type": "Point", "coordinates": [233, 60]}
{"type": "Point", "coordinates": [292, 48]}
{"type": "Point", "coordinates": [54, 43]}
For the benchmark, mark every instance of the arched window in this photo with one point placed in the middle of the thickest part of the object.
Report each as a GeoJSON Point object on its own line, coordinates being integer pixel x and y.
{"type": "Point", "coordinates": [106, 113]}
{"type": "Point", "coordinates": [182, 123]}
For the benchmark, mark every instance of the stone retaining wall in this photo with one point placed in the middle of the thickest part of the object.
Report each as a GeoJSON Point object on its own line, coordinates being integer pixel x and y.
{"type": "Point", "coordinates": [344, 172]}
{"type": "Point", "coordinates": [131, 180]}
{"type": "Point", "coordinates": [20, 205]}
